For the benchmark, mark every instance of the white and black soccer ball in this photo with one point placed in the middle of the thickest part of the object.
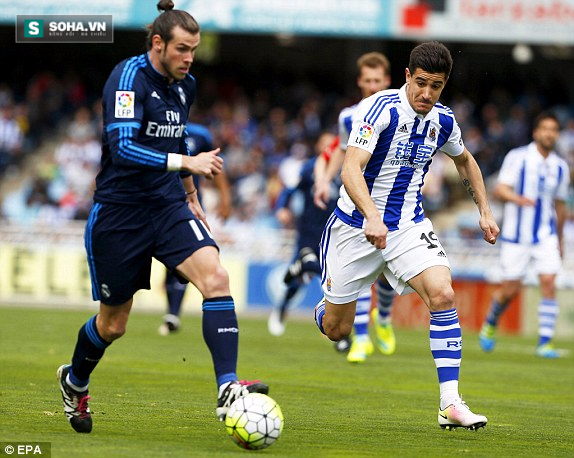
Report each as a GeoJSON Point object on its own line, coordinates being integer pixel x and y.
{"type": "Point", "coordinates": [254, 421]}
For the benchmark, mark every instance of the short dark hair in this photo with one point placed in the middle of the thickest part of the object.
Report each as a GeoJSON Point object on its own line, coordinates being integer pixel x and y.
{"type": "Point", "coordinates": [543, 116]}
{"type": "Point", "coordinates": [164, 24]}
{"type": "Point", "coordinates": [432, 57]}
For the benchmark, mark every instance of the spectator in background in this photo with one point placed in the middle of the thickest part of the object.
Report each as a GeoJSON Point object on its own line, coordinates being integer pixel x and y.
{"type": "Point", "coordinates": [565, 144]}
{"type": "Point", "coordinates": [78, 160]}
{"type": "Point", "coordinates": [11, 138]}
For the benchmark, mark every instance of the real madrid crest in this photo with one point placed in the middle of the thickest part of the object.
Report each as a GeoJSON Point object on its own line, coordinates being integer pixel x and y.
{"type": "Point", "coordinates": [181, 95]}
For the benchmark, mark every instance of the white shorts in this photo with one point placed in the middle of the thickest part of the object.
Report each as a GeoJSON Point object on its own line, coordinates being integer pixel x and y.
{"type": "Point", "coordinates": [350, 263]}
{"type": "Point", "coordinates": [516, 258]}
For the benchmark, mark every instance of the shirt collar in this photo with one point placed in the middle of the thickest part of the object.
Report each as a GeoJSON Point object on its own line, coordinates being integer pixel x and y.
{"type": "Point", "coordinates": [154, 72]}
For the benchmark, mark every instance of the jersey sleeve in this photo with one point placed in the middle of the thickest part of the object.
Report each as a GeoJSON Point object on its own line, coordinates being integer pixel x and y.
{"type": "Point", "coordinates": [563, 181]}
{"type": "Point", "coordinates": [345, 123]}
{"type": "Point", "coordinates": [510, 169]}
{"type": "Point", "coordinates": [453, 146]}
{"type": "Point", "coordinates": [123, 113]}
{"type": "Point", "coordinates": [366, 126]}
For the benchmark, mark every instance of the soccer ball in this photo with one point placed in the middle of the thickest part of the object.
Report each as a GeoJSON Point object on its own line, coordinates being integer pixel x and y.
{"type": "Point", "coordinates": [254, 421]}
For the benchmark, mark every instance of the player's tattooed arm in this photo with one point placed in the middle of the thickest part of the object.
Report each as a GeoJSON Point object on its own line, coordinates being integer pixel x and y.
{"type": "Point", "coordinates": [471, 178]}
{"type": "Point", "coordinates": [468, 187]}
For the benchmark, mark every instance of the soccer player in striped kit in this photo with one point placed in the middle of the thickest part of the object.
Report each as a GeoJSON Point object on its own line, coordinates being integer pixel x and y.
{"type": "Point", "coordinates": [143, 208]}
{"type": "Point", "coordinates": [374, 76]}
{"type": "Point", "coordinates": [533, 184]}
{"type": "Point", "coordinates": [379, 226]}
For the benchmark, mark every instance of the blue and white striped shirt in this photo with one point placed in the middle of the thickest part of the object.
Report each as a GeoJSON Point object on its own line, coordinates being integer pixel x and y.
{"type": "Point", "coordinates": [403, 144]}
{"type": "Point", "coordinates": [346, 125]}
{"type": "Point", "coordinates": [542, 180]}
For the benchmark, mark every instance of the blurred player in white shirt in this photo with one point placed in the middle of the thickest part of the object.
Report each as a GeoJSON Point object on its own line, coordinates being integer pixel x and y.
{"type": "Point", "coordinates": [379, 227]}
{"type": "Point", "coordinates": [533, 182]}
{"type": "Point", "coordinates": [374, 76]}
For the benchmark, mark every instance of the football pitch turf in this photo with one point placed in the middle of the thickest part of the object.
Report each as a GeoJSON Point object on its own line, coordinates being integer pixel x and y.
{"type": "Point", "coordinates": [155, 396]}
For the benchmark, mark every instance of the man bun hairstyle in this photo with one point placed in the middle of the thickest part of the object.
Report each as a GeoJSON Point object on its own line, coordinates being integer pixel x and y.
{"type": "Point", "coordinates": [165, 5]}
{"type": "Point", "coordinates": [164, 24]}
{"type": "Point", "coordinates": [432, 57]}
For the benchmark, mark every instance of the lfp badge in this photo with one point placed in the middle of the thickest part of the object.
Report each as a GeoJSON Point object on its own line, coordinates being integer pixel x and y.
{"type": "Point", "coordinates": [366, 131]}
{"type": "Point", "coordinates": [125, 104]}
{"type": "Point", "coordinates": [364, 135]}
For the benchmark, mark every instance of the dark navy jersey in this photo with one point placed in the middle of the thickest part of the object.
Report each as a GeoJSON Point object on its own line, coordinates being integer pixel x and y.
{"type": "Point", "coordinates": [311, 222]}
{"type": "Point", "coordinates": [144, 120]}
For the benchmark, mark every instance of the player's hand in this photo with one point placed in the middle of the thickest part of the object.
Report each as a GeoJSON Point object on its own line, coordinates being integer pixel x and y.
{"type": "Point", "coordinates": [206, 164]}
{"type": "Point", "coordinates": [322, 194]}
{"type": "Point", "coordinates": [284, 216]}
{"type": "Point", "coordinates": [525, 202]}
{"type": "Point", "coordinates": [223, 210]}
{"type": "Point", "coordinates": [376, 232]}
{"type": "Point", "coordinates": [489, 228]}
{"type": "Point", "coordinates": [196, 209]}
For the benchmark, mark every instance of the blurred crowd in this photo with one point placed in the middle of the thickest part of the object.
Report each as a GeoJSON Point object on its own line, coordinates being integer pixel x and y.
{"type": "Point", "coordinates": [265, 138]}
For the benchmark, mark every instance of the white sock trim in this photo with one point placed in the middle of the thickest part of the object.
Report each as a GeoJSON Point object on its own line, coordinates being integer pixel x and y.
{"type": "Point", "coordinates": [79, 389]}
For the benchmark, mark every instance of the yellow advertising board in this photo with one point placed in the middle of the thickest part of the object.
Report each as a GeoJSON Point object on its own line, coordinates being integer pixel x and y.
{"type": "Point", "coordinates": [59, 275]}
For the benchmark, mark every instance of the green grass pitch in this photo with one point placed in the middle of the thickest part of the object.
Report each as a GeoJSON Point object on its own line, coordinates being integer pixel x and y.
{"type": "Point", "coordinates": [154, 396]}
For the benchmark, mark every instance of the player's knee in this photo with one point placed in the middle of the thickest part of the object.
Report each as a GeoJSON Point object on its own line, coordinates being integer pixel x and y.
{"type": "Point", "coordinates": [112, 331]}
{"type": "Point", "coordinates": [336, 331]}
{"type": "Point", "coordinates": [443, 299]}
{"type": "Point", "coordinates": [216, 282]}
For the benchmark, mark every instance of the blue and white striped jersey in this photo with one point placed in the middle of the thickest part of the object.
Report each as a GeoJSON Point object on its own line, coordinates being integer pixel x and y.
{"type": "Point", "coordinates": [403, 144]}
{"type": "Point", "coordinates": [542, 180]}
{"type": "Point", "coordinates": [144, 120]}
{"type": "Point", "coordinates": [346, 125]}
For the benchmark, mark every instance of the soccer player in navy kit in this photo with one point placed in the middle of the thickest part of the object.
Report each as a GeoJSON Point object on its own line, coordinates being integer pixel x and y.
{"type": "Point", "coordinates": [143, 209]}
{"type": "Point", "coordinates": [309, 227]}
{"type": "Point", "coordinates": [198, 139]}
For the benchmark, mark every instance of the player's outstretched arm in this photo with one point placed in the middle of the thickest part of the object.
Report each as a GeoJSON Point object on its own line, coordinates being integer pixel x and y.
{"type": "Point", "coordinates": [471, 177]}
{"type": "Point", "coordinates": [327, 166]}
{"type": "Point", "coordinates": [224, 207]}
{"type": "Point", "coordinates": [506, 193]}
{"type": "Point", "coordinates": [321, 185]}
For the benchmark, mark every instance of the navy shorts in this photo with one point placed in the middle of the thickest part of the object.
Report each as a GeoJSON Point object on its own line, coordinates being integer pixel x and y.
{"type": "Point", "coordinates": [122, 239]}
